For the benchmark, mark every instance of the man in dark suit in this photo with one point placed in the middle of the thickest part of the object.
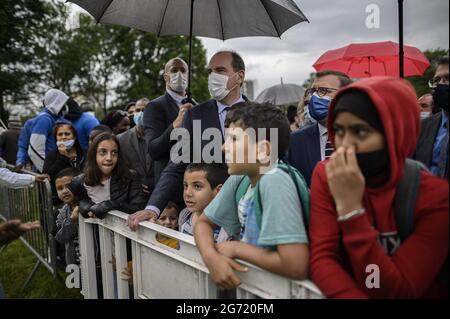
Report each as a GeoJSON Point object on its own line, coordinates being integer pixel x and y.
{"type": "Point", "coordinates": [166, 113]}
{"type": "Point", "coordinates": [226, 77]}
{"type": "Point", "coordinates": [311, 145]}
{"type": "Point", "coordinates": [135, 150]}
{"type": "Point", "coordinates": [432, 145]}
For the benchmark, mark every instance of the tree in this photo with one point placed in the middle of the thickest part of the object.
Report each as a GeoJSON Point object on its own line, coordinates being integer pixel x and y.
{"type": "Point", "coordinates": [143, 60]}
{"type": "Point", "coordinates": [112, 65]}
{"type": "Point", "coordinates": [420, 83]}
{"type": "Point", "coordinates": [22, 31]}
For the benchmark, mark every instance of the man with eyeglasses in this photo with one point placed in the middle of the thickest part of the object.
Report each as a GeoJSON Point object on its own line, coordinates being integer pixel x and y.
{"type": "Point", "coordinates": [311, 145]}
{"type": "Point", "coordinates": [432, 146]}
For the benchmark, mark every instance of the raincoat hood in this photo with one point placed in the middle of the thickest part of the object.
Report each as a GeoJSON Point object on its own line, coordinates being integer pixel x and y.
{"type": "Point", "coordinates": [55, 100]}
{"type": "Point", "coordinates": [396, 103]}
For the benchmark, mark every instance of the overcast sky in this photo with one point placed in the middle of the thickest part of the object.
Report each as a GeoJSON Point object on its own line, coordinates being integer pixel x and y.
{"type": "Point", "coordinates": [334, 24]}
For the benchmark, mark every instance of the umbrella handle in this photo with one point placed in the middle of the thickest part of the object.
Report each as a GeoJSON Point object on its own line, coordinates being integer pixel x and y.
{"type": "Point", "coordinates": [190, 50]}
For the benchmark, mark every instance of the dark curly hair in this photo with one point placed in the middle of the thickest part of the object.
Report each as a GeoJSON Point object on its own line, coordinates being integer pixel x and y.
{"type": "Point", "coordinates": [262, 116]}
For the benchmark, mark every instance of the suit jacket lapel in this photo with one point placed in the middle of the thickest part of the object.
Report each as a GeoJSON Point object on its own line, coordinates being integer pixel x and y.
{"type": "Point", "coordinates": [314, 145]}
{"type": "Point", "coordinates": [212, 112]}
{"type": "Point", "coordinates": [434, 129]}
{"type": "Point", "coordinates": [133, 139]}
{"type": "Point", "coordinates": [172, 103]}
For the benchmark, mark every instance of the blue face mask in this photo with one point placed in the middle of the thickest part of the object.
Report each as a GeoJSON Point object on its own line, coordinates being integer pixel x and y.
{"type": "Point", "coordinates": [139, 119]}
{"type": "Point", "coordinates": [318, 107]}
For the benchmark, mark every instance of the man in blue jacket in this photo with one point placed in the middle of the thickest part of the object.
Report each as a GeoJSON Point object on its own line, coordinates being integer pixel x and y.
{"type": "Point", "coordinates": [42, 140]}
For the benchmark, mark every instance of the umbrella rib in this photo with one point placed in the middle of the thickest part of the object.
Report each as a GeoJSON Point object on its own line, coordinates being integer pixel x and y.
{"type": "Point", "coordinates": [162, 19]}
{"type": "Point", "coordinates": [271, 19]}
{"type": "Point", "coordinates": [103, 11]}
{"type": "Point", "coordinates": [221, 21]}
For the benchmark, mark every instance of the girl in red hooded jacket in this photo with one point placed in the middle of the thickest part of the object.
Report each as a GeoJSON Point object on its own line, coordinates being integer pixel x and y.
{"type": "Point", "coordinates": [355, 247]}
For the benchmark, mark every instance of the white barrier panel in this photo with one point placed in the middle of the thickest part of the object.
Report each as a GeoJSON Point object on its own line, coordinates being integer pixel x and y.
{"type": "Point", "coordinates": [161, 272]}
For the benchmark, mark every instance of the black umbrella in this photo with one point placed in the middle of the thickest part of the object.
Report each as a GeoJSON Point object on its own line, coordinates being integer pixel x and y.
{"type": "Point", "coordinates": [220, 19]}
{"type": "Point", "coordinates": [401, 54]}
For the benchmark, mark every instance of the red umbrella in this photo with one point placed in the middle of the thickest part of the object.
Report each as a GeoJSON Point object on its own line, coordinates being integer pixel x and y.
{"type": "Point", "coordinates": [373, 59]}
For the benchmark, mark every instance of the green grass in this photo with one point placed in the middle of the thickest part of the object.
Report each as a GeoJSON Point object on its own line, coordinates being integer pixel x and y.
{"type": "Point", "coordinates": [16, 263]}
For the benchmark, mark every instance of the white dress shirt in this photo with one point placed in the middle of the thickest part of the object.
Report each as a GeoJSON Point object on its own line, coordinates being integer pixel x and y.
{"type": "Point", "coordinates": [178, 98]}
{"type": "Point", "coordinates": [323, 133]}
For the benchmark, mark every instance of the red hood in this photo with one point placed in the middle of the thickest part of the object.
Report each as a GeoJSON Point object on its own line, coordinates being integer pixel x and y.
{"type": "Point", "coordinates": [396, 103]}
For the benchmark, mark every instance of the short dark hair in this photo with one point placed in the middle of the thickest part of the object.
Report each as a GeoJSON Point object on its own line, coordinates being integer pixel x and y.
{"type": "Point", "coordinates": [71, 172]}
{"type": "Point", "coordinates": [98, 130]}
{"type": "Point", "coordinates": [171, 205]}
{"type": "Point", "coordinates": [343, 78]}
{"type": "Point", "coordinates": [129, 105]}
{"type": "Point", "coordinates": [262, 116]}
{"type": "Point", "coordinates": [237, 62]}
{"type": "Point", "coordinates": [93, 173]}
{"type": "Point", "coordinates": [443, 60]}
{"type": "Point", "coordinates": [112, 119]}
{"type": "Point", "coordinates": [292, 113]}
{"type": "Point", "coordinates": [216, 173]}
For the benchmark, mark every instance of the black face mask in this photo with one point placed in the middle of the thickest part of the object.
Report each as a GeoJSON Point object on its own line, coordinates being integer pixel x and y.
{"type": "Point", "coordinates": [440, 96]}
{"type": "Point", "coordinates": [131, 118]}
{"type": "Point", "coordinates": [375, 167]}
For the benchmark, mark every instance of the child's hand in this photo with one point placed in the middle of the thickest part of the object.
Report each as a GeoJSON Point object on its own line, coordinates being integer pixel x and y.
{"type": "Point", "coordinates": [127, 273]}
{"type": "Point", "coordinates": [75, 213]}
{"type": "Point", "coordinates": [222, 272]}
{"type": "Point", "coordinates": [62, 149]}
{"type": "Point", "coordinates": [227, 248]}
{"type": "Point", "coordinates": [92, 215]}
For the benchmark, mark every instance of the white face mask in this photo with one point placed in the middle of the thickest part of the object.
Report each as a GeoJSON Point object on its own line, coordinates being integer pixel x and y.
{"type": "Point", "coordinates": [424, 115]}
{"type": "Point", "coordinates": [218, 86]}
{"type": "Point", "coordinates": [69, 144]}
{"type": "Point", "coordinates": [178, 82]}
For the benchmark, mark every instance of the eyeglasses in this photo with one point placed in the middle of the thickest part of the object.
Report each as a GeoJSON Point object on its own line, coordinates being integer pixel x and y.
{"type": "Point", "coordinates": [438, 80]}
{"type": "Point", "coordinates": [321, 91]}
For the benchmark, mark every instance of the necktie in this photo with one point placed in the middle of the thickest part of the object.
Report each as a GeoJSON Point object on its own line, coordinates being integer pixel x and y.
{"type": "Point", "coordinates": [328, 149]}
{"type": "Point", "coordinates": [443, 157]}
{"type": "Point", "coordinates": [223, 116]}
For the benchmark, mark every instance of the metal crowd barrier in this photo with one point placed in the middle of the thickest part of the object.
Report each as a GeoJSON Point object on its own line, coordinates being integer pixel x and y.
{"type": "Point", "coordinates": [30, 204]}
{"type": "Point", "coordinates": [161, 272]}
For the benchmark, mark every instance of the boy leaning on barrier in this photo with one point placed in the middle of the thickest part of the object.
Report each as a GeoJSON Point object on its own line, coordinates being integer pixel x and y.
{"type": "Point", "coordinates": [260, 205]}
{"type": "Point", "coordinates": [67, 219]}
{"type": "Point", "coordinates": [202, 182]}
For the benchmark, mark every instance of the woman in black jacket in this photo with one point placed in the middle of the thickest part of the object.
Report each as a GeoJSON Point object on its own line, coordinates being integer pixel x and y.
{"type": "Point", "coordinates": [107, 184]}
{"type": "Point", "coordinates": [68, 154]}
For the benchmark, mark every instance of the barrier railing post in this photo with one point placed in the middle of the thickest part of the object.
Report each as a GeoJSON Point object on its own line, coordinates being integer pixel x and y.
{"type": "Point", "coordinates": [193, 281]}
{"type": "Point", "coordinates": [87, 251]}
{"type": "Point", "coordinates": [106, 253]}
{"type": "Point", "coordinates": [121, 264]}
{"type": "Point", "coordinates": [29, 204]}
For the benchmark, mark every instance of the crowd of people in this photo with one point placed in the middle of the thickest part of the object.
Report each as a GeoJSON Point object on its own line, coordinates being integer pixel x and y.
{"type": "Point", "coordinates": [356, 176]}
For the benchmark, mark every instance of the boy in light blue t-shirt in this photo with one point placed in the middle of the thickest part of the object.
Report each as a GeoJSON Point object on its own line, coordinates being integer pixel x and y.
{"type": "Point", "coordinates": [272, 236]}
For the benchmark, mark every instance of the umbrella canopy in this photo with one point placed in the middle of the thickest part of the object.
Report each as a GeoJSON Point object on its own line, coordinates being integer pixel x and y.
{"type": "Point", "coordinates": [281, 94]}
{"type": "Point", "coordinates": [373, 59]}
{"type": "Point", "coordinates": [220, 19]}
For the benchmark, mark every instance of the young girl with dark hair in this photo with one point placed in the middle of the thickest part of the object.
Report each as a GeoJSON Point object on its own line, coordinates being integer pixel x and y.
{"type": "Point", "coordinates": [107, 184]}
